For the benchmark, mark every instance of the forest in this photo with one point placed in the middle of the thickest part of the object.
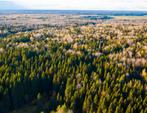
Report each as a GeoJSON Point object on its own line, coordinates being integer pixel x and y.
{"type": "Point", "coordinates": [76, 69]}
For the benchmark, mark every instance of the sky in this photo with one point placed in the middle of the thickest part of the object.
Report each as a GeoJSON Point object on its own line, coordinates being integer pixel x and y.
{"type": "Point", "coordinates": [76, 4]}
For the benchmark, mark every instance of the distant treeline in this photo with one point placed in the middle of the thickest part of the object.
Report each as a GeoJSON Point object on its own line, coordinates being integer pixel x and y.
{"type": "Point", "coordinates": [77, 12]}
{"type": "Point", "coordinates": [97, 17]}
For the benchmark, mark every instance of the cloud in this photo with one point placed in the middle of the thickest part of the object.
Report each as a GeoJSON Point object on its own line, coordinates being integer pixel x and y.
{"type": "Point", "coordinates": [8, 5]}
{"type": "Point", "coordinates": [84, 4]}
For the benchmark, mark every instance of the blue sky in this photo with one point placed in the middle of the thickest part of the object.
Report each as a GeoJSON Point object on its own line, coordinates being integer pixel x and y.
{"type": "Point", "coordinates": [78, 4]}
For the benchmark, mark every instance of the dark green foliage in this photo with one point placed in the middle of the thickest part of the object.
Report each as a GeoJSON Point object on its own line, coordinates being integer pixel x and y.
{"type": "Point", "coordinates": [22, 39]}
{"type": "Point", "coordinates": [98, 17]}
{"type": "Point", "coordinates": [83, 83]}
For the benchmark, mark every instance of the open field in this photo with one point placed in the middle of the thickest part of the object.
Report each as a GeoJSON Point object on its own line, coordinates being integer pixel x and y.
{"type": "Point", "coordinates": [131, 17]}
{"type": "Point", "coordinates": [13, 23]}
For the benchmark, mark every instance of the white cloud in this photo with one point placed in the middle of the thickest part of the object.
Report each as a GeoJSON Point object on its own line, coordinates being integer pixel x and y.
{"type": "Point", "coordinates": [84, 4]}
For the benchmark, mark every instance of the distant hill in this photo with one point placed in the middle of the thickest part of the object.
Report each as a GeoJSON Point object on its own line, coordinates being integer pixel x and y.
{"type": "Point", "coordinates": [9, 5]}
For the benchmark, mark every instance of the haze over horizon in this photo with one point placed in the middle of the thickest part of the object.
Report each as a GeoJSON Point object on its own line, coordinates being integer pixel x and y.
{"type": "Point", "coordinates": [131, 5]}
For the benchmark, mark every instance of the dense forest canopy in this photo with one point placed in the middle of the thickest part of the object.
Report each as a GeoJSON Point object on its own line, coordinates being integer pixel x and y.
{"type": "Point", "coordinates": [75, 69]}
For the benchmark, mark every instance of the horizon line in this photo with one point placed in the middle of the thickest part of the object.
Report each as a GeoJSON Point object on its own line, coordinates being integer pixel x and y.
{"type": "Point", "coordinates": [71, 10]}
